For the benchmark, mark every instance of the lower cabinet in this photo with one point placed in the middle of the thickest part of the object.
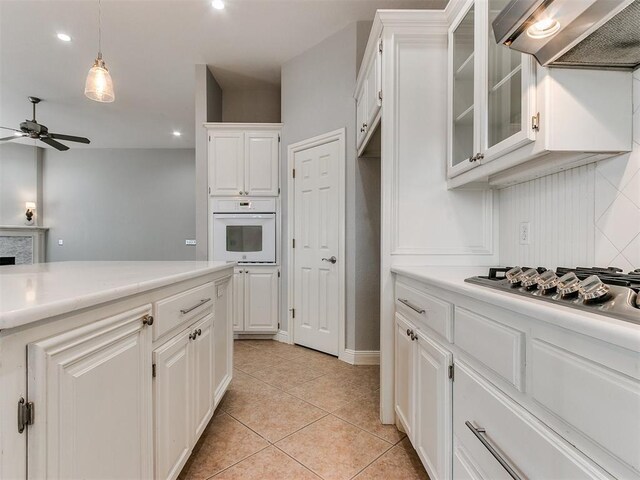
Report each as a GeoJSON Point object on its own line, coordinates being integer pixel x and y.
{"type": "Point", "coordinates": [182, 395]}
{"type": "Point", "coordinates": [423, 395]}
{"type": "Point", "coordinates": [90, 388]}
{"type": "Point", "coordinates": [256, 292]}
{"type": "Point", "coordinates": [222, 339]}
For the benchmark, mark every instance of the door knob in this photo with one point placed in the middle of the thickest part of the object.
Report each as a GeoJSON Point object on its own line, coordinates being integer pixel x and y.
{"type": "Point", "coordinates": [330, 260]}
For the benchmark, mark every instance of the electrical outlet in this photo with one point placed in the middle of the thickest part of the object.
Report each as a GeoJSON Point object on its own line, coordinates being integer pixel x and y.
{"type": "Point", "coordinates": [60, 242]}
{"type": "Point", "coordinates": [189, 242]}
{"type": "Point", "coordinates": [524, 233]}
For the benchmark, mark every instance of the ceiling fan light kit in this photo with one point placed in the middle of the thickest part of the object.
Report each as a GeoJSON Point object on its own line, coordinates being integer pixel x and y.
{"type": "Point", "coordinates": [99, 86]}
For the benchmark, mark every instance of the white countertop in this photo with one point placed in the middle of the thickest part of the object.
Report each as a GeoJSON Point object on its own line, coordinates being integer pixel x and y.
{"type": "Point", "coordinates": [32, 292]}
{"type": "Point", "coordinates": [620, 332]}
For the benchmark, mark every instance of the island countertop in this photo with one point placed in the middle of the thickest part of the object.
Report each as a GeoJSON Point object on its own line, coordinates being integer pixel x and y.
{"type": "Point", "coordinates": [29, 293]}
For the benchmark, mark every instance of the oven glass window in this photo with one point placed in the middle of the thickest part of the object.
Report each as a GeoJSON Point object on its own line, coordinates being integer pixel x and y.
{"type": "Point", "coordinates": [244, 238]}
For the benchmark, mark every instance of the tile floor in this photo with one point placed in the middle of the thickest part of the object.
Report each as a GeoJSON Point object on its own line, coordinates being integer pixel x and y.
{"type": "Point", "coordinates": [294, 413]}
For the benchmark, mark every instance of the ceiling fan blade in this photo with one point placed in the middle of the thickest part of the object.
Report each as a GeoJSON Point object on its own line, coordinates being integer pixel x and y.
{"type": "Point", "coordinates": [13, 129]}
{"type": "Point", "coordinates": [57, 145]}
{"type": "Point", "coordinates": [69, 138]}
{"type": "Point", "coordinates": [12, 137]}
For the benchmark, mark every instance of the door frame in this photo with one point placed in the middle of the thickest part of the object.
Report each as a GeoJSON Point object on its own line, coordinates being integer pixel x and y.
{"type": "Point", "coordinates": [334, 136]}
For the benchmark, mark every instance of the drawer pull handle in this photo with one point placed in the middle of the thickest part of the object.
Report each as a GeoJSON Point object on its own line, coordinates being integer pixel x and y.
{"type": "Point", "coordinates": [412, 306]}
{"type": "Point", "coordinates": [478, 432]}
{"type": "Point", "coordinates": [199, 304]}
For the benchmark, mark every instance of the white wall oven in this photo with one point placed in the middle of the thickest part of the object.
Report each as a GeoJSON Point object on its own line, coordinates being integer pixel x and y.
{"type": "Point", "coordinates": [244, 231]}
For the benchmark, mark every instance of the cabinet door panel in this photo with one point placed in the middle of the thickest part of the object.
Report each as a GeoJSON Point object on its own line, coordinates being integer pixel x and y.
{"type": "Point", "coordinates": [373, 91]}
{"type": "Point", "coordinates": [226, 163]}
{"type": "Point", "coordinates": [404, 376]}
{"type": "Point", "coordinates": [262, 163]}
{"type": "Point", "coordinates": [361, 116]}
{"type": "Point", "coordinates": [222, 338]}
{"type": "Point", "coordinates": [172, 404]}
{"type": "Point", "coordinates": [238, 300]}
{"type": "Point", "coordinates": [433, 436]}
{"type": "Point", "coordinates": [91, 387]}
{"type": "Point", "coordinates": [261, 299]}
{"type": "Point", "coordinates": [203, 375]}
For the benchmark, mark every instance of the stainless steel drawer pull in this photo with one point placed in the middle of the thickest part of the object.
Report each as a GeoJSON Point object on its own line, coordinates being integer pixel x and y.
{"type": "Point", "coordinates": [412, 306]}
{"type": "Point", "coordinates": [478, 432]}
{"type": "Point", "coordinates": [199, 304]}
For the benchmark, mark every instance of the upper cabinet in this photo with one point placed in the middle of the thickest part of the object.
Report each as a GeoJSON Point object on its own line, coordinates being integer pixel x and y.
{"type": "Point", "coordinates": [244, 159]}
{"type": "Point", "coordinates": [369, 99]}
{"type": "Point", "coordinates": [505, 110]}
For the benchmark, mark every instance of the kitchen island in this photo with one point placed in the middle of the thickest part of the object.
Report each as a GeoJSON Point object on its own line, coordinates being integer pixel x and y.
{"type": "Point", "coordinates": [110, 369]}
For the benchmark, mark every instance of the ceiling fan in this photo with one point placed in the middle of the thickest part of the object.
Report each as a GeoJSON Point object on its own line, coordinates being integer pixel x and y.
{"type": "Point", "coordinates": [37, 131]}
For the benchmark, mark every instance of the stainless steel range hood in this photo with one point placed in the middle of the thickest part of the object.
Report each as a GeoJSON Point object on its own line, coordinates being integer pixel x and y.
{"type": "Point", "coordinates": [573, 33]}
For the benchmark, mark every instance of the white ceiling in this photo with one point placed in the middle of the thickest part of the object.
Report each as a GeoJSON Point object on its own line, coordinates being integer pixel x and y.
{"type": "Point", "coordinates": [151, 47]}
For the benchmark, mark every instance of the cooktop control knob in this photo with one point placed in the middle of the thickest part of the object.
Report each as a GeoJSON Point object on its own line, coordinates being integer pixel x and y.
{"type": "Point", "coordinates": [592, 288]}
{"type": "Point", "coordinates": [529, 278]}
{"type": "Point", "coordinates": [514, 275]}
{"type": "Point", "coordinates": [547, 281]}
{"type": "Point", "coordinates": [568, 284]}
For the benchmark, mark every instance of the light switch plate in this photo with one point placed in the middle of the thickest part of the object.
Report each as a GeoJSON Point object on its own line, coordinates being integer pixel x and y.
{"type": "Point", "coordinates": [60, 242]}
{"type": "Point", "coordinates": [524, 233]}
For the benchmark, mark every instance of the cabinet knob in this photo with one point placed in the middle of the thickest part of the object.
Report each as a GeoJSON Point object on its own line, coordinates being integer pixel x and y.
{"type": "Point", "coordinates": [147, 320]}
{"type": "Point", "coordinates": [472, 159]}
{"type": "Point", "coordinates": [479, 156]}
{"type": "Point", "coordinates": [408, 332]}
{"type": "Point", "coordinates": [198, 332]}
{"type": "Point", "coordinates": [241, 192]}
{"type": "Point", "coordinates": [246, 193]}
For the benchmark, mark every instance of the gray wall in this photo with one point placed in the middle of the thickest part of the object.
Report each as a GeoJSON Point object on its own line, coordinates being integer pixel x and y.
{"type": "Point", "coordinates": [208, 98]}
{"type": "Point", "coordinates": [119, 204]}
{"type": "Point", "coordinates": [19, 182]}
{"type": "Point", "coordinates": [317, 97]}
{"type": "Point", "coordinates": [255, 105]}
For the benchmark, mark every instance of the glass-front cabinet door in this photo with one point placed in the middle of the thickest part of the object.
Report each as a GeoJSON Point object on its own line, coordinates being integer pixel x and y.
{"type": "Point", "coordinates": [509, 91]}
{"type": "Point", "coordinates": [463, 111]}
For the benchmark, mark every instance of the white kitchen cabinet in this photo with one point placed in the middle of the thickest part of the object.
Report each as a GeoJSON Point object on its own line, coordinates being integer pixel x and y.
{"type": "Point", "coordinates": [404, 376]}
{"type": "Point", "coordinates": [90, 388]}
{"type": "Point", "coordinates": [222, 338]}
{"type": "Point", "coordinates": [433, 400]}
{"type": "Point", "coordinates": [172, 406]}
{"type": "Point", "coordinates": [511, 120]}
{"type": "Point", "coordinates": [244, 159]}
{"type": "Point", "coordinates": [369, 98]}
{"type": "Point", "coordinates": [183, 395]}
{"type": "Point", "coordinates": [256, 292]}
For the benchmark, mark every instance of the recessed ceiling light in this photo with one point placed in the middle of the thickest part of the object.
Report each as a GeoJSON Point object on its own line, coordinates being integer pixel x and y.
{"type": "Point", "coordinates": [64, 37]}
{"type": "Point", "coordinates": [176, 133]}
{"type": "Point", "coordinates": [218, 4]}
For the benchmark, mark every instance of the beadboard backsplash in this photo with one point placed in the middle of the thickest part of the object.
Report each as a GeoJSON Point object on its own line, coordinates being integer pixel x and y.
{"type": "Point", "coordinates": [586, 216]}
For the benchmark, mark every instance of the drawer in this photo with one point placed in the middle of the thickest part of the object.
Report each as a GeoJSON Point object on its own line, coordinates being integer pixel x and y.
{"type": "Point", "coordinates": [600, 402]}
{"type": "Point", "coordinates": [495, 345]}
{"type": "Point", "coordinates": [425, 309]}
{"type": "Point", "coordinates": [171, 312]}
{"type": "Point", "coordinates": [505, 432]}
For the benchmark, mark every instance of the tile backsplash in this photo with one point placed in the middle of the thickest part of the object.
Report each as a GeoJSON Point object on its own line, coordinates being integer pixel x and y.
{"type": "Point", "coordinates": [589, 215]}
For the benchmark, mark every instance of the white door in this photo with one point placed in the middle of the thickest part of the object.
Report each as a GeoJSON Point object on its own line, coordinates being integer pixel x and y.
{"type": "Point", "coordinates": [433, 428]}
{"type": "Point", "coordinates": [172, 399]}
{"type": "Point", "coordinates": [262, 152]}
{"type": "Point", "coordinates": [91, 389]}
{"type": "Point", "coordinates": [404, 376]}
{"type": "Point", "coordinates": [226, 163]}
{"type": "Point", "coordinates": [319, 225]}
{"type": "Point", "coordinates": [261, 299]}
{"type": "Point", "coordinates": [203, 374]}
{"type": "Point", "coordinates": [238, 299]}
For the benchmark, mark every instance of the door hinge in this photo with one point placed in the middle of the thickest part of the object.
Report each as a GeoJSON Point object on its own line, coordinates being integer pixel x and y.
{"type": "Point", "coordinates": [451, 372]}
{"type": "Point", "coordinates": [153, 370]}
{"type": "Point", "coordinates": [380, 95]}
{"type": "Point", "coordinates": [278, 190]}
{"type": "Point", "coordinates": [278, 273]}
{"type": "Point", "coordinates": [293, 313]}
{"type": "Point", "coordinates": [25, 414]}
{"type": "Point", "coordinates": [209, 137]}
{"type": "Point", "coordinates": [380, 46]}
{"type": "Point", "coordinates": [294, 243]}
{"type": "Point", "coordinates": [209, 190]}
{"type": "Point", "coordinates": [278, 138]}
{"type": "Point", "coordinates": [535, 122]}
{"type": "Point", "coordinates": [294, 173]}
{"type": "Point", "coordinates": [278, 325]}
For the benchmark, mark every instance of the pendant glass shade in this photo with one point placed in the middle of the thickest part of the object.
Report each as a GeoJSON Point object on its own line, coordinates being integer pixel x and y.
{"type": "Point", "coordinates": [99, 86]}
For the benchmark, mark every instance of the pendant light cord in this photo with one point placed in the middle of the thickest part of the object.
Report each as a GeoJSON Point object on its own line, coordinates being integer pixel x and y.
{"type": "Point", "coordinates": [99, 28]}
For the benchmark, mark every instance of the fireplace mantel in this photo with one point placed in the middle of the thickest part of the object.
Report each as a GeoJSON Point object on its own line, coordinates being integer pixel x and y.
{"type": "Point", "coordinates": [35, 232]}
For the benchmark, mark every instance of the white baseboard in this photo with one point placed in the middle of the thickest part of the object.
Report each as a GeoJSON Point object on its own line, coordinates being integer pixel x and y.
{"type": "Point", "coordinates": [282, 336]}
{"type": "Point", "coordinates": [361, 357]}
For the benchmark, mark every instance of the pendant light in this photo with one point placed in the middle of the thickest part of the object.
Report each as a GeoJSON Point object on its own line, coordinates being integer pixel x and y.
{"type": "Point", "coordinates": [99, 86]}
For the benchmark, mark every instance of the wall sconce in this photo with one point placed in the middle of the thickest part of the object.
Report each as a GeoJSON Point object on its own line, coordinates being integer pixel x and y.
{"type": "Point", "coordinates": [31, 206]}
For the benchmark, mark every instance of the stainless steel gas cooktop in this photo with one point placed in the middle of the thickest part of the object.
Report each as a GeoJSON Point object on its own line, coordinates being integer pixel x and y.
{"type": "Point", "coordinates": [607, 291]}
